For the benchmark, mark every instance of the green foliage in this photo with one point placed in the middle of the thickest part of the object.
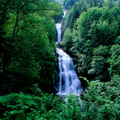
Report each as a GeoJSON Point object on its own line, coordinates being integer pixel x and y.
{"type": "Point", "coordinates": [99, 25]}
{"type": "Point", "coordinates": [71, 110]}
{"type": "Point", "coordinates": [67, 40]}
{"type": "Point", "coordinates": [92, 3]}
{"type": "Point", "coordinates": [73, 14]}
{"type": "Point", "coordinates": [27, 38]}
{"type": "Point", "coordinates": [95, 46]}
{"type": "Point", "coordinates": [57, 9]}
{"type": "Point", "coordinates": [99, 101]}
{"type": "Point", "coordinates": [114, 60]}
{"type": "Point", "coordinates": [66, 21]}
{"type": "Point", "coordinates": [22, 106]}
{"type": "Point", "coordinates": [93, 34]}
{"type": "Point", "coordinates": [69, 3]}
{"type": "Point", "coordinates": [99, 63]}
{"type": "Point", "coordinates": [102, 100]}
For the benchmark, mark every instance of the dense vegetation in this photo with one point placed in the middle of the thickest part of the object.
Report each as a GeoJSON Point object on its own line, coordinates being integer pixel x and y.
{"type": "Point", "coordinates": [91, 36]}
{"type": "Point", "coordinates": [90, 32]}
{"type": "Point", "coordinates": [27, 37]}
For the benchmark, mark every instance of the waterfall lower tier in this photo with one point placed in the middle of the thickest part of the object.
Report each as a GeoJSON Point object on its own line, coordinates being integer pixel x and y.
{"type": "Point", "coordinates": [68, 80]}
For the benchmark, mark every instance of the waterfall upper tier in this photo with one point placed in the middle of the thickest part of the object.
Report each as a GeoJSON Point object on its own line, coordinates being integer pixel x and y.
{"type": "Point", "coordinates": [64, 13]}
{"type": "Point", "coordinates": [58, 27]}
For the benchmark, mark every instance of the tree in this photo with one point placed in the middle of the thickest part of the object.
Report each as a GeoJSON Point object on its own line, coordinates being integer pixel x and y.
{"type": "Point", "coordinates": [29, 35]}
{"type": "Point", "coordinates": [99, 63]}
{"type": "Point", "coordinates": [67, 40]}
{"type": "Point", "coordinates": [114, 60]}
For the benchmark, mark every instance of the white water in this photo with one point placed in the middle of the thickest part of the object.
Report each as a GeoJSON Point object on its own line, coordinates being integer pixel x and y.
{"type": "Point", "coordinates": [64, 13]}
{"type": "Point", "coordinates": [68, 80]}
{"type": "Point", "coordinates": [58, 28]}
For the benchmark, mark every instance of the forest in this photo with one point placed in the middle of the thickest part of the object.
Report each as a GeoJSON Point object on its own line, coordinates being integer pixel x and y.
{"type": "Point", "coordinates": [28, 61]}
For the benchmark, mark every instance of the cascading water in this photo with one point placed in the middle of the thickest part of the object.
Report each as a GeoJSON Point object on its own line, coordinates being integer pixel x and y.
{"type": "Point", "coordinates": [58, 27]}
{"type": "Point", "coordinates": [64, 13]}
{"type": "Point", "coordinates": [68, 81]}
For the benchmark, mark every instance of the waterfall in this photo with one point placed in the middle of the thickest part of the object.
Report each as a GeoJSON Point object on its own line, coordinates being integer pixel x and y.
{"type": "Point", "coordinates": [68, 80]}
{"type": "Point", "coordinates": [64, 13]}
{"type": "Point", "coordinates": [58, 28]}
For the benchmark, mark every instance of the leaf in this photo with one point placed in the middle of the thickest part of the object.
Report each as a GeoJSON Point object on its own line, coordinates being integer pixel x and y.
{"type": "Point", "coordinates": [13, 112]}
